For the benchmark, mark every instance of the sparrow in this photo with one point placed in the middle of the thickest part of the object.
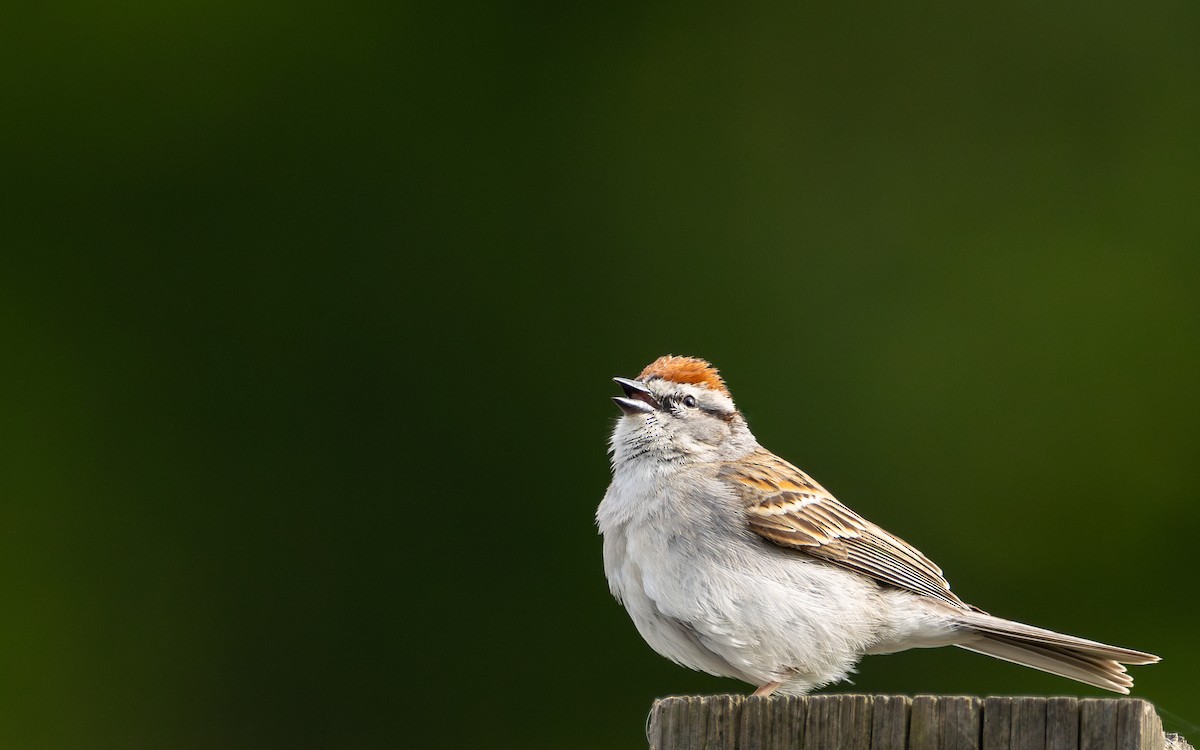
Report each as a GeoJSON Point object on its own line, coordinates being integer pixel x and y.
{"type": "Point", "coordinates": [732, 561]}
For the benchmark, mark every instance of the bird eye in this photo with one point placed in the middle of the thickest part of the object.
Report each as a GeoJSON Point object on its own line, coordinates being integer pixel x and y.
{"type": "Point", "coordinates": [689, 401]}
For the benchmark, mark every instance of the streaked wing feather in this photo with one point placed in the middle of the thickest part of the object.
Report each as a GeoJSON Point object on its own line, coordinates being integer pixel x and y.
{"type": "Point", "coordinates": [785, 506]}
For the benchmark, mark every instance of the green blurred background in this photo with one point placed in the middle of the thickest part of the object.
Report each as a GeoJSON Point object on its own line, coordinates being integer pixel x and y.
{"type": "Point", "coordinates": [309, 311]}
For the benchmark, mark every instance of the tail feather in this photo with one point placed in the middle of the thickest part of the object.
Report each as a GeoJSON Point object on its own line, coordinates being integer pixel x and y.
{"type": "Point", "coordinates": [1109, 676]}
{"type": "Point", "coordinates": [1089, 662]}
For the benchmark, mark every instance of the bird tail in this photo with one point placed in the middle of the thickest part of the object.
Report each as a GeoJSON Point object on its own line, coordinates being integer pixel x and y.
{"type": "Point", "coordinates": [1079, 659]}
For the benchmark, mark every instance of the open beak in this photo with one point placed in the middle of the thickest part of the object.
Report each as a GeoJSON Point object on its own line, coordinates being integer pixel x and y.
{"type": "Point", "coordinates": [637, 399]}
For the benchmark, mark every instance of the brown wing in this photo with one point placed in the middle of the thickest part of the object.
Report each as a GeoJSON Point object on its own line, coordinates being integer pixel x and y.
{"type": "Point", "coordinates": [788, 508]}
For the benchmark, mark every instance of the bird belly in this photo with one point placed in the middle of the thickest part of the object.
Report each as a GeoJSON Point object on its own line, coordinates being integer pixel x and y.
{"type": "Point", "coordinates": [742, 609]}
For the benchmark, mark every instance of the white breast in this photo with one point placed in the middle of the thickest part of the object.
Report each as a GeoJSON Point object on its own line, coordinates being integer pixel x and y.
{"type": "Point", "coordinates": [707, 593]}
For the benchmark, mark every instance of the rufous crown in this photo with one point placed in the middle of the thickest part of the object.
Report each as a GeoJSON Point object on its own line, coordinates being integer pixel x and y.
{"type": "Point", "coordinates": [684, 370]}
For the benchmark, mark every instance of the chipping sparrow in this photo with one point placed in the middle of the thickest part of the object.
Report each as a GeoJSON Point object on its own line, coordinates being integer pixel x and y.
{"type": "Point", "coordinates": [734, 562]}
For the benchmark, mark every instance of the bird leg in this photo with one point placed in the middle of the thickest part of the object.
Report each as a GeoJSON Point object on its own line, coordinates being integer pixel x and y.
{"type": "Point", "coordinates": [767, 689]}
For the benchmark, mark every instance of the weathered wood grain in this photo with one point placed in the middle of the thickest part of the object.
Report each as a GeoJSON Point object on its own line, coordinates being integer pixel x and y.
{"type": "Point", "coordinates": [997, 723]}
{"type": "Point", "coordinates": [1138, 726]}
{"type": "Point", "coordinates": [922, 723]}
{"type": "Point", "coordinates": [1028, 723]}
{"type": "Point", "coordinates": [889, 722]}
{"type": "Point", "coordinates": [1098, 724]}
{"type": "Point", "coordinates": [816, 717]}
{"type": "Point", "coordinates": [945, 723]}
{"type": "Point", "coordinates": [844, 722]}
{"type": "Point", "coordinates": [883, 722]}
{"type": "Point", "coordinates": [960, 720]}
{"type": "Point", "coordinates": [1062, 724]}
{"type": "Point", "coordinates": [857, 712]}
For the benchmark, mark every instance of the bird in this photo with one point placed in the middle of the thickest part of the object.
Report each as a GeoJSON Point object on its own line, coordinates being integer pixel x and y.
{"type": "Point", "coordinates": [732, 561]}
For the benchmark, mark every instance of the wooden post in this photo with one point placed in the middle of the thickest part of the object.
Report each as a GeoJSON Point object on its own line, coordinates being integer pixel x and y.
{"type": "Point", "coordinates": [896, 722]}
